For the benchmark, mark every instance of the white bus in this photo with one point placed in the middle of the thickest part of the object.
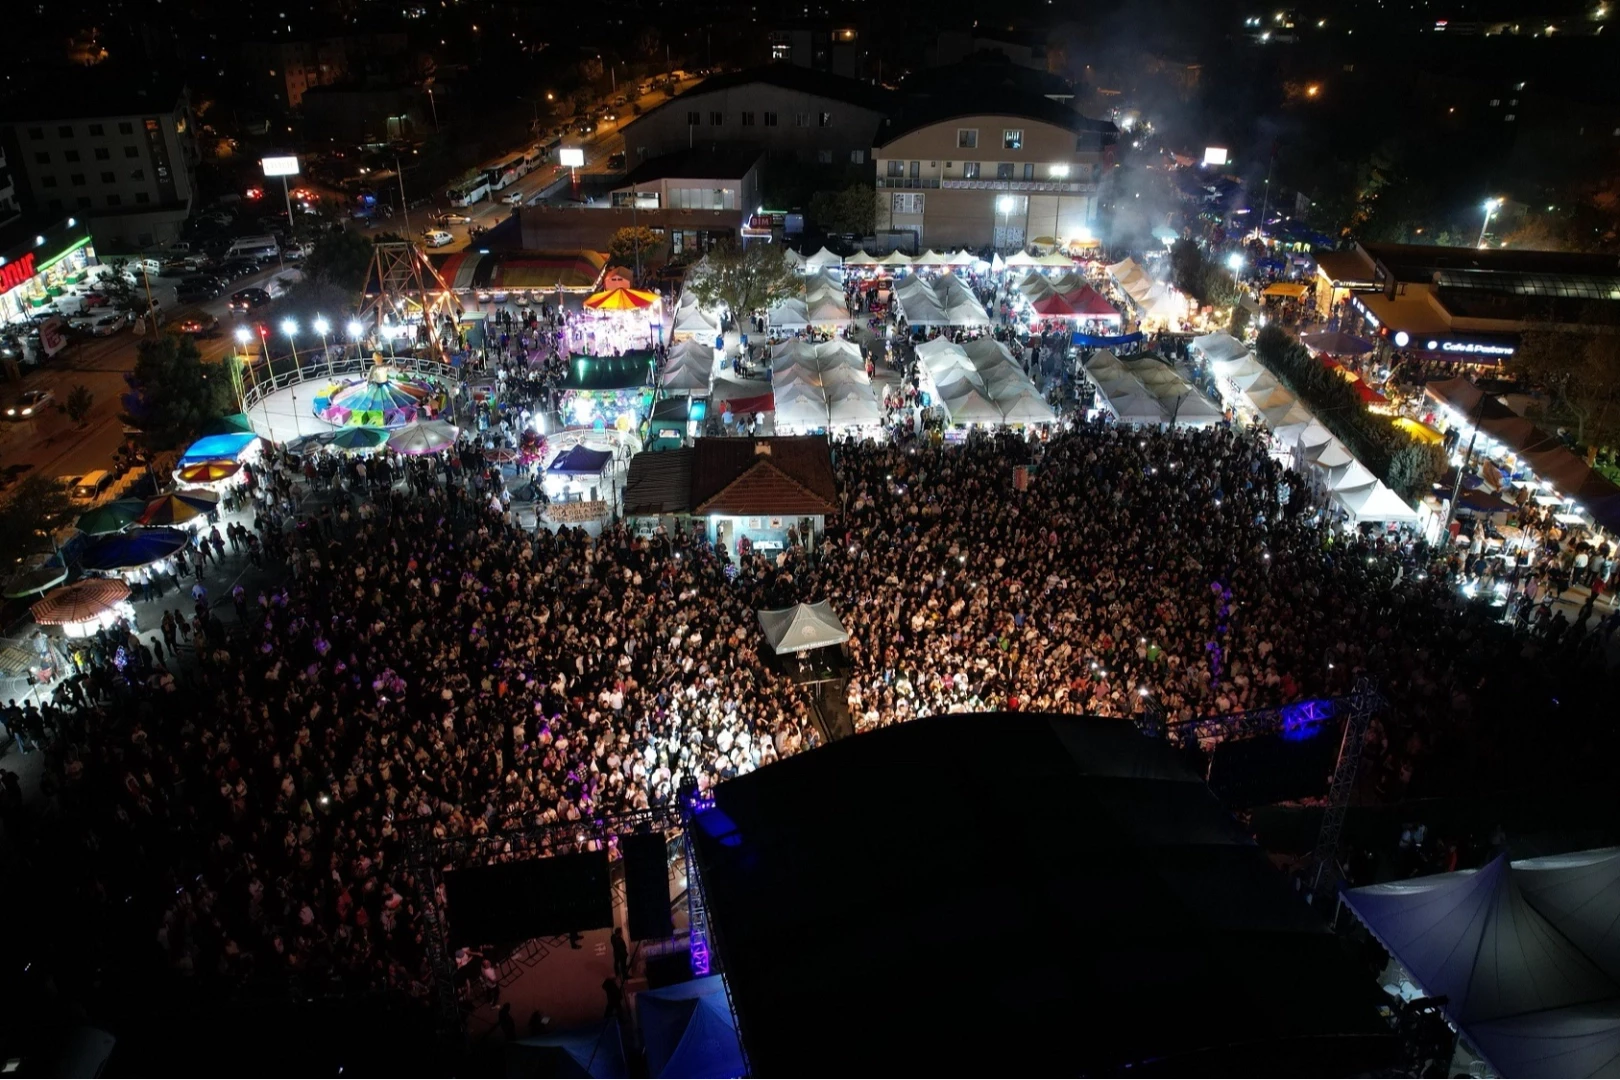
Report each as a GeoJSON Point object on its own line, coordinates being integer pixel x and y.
{"type": "Point", "coordinates": [531, 159]}
{"type": "Point", "coordinates": [507, 172]}
{"type": "Point", "coordinates": [469, 191]}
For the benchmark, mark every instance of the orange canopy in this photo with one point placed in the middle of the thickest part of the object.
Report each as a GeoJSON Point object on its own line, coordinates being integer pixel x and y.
{"type": "Point", "coordinates": [621, 300]}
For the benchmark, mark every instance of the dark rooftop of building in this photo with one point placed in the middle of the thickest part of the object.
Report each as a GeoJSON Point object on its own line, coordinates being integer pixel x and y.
{"type": "Point", "coordinates": [780, 475]}
{"type": "Point", "coordinates": [972, 100]}
{"type": "Point", "coordinates": [1091, 910]}
{"type": "Point", "coordinates": [788, 77]}
{"type": "Point", "coordinates": [659, 482]}
{"type": "Point", "coordinates": [994, 72]}
{"type": "Point", "coordinates": [1420, 262]}
{"type": "Point", "coordinates": [718, 162]}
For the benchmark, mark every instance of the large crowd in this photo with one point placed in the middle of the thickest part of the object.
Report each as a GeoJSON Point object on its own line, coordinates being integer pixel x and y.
{"type": "Point", "coordinates": [431, 660]}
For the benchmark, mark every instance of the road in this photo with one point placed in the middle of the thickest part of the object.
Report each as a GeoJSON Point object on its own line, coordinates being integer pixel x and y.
{"type": "Point", "coordinates": [549, 180]}
{"type": "Point", "coordinates": [50, 444]}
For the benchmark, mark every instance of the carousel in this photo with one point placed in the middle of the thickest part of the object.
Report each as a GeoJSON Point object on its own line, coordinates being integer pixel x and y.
{"type": "Point", "coordinates": [382, 399]}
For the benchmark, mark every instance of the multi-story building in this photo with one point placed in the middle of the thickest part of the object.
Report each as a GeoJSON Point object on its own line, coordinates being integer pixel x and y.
{"type": "Point", "coordinates": [781, 110]}
{"type": "Point", "coordinates": [10, 208]}
{"type": "Point", "coordinates": [991, 169]}
{"type": "Point", "coordinates": [282, 71]}
{"type": "Point", "coordinates": [116, 155]}
{"type": "Point", "coordinates": [822, 46]}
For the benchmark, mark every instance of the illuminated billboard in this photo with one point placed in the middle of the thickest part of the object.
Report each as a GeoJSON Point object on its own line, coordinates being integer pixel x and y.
{"type": "Point", "coordinates": [1214, 155]}
{"type": "Point", "coordinates": [280, 166]}
{"type": "Point", "coordinates": [571, 156]}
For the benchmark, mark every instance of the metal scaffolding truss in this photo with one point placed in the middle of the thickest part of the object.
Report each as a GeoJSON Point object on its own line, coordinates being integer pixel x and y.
{"type": "Point", "coordinates": [402, 287]}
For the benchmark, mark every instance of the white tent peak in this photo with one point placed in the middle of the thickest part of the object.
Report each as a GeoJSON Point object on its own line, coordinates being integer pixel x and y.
{"type": "Point", "coordinates": [802, 626]}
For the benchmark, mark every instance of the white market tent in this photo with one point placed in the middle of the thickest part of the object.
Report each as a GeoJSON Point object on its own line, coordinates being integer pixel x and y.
{"type": "Point", "coordinates": [693, 376]}
{"type": "Point", "coordinates": [1022, 258]}
{"type": "Point", "coordinates": [1375, 502]}
{"type": "Point", "coordinates": [1219, 347]}
{"type": "Point", "coordinates": [794, 259]}
{"type": "Point", "coordinates": [1026, 408]}
{"type": "Point", "coordinates": [861, 258]}
{"type": "Point", "coordinates": [1346, 477]}
{"type": "Point", "coordinates": [822, 385]}
{"type": "Point", "coordinates": [1526, 953]}
{"type": "Point", "coordinates": [964, 379]}
{"type": "Point", "coordinates": [1330, 455]}
{"type": "Point", "coordinates": [824, 259]}
{"type": "Point", "coordinates": [895, 258]}
{"type": "Point", "coordinates": [802, 626]}
{"type": "Point", "coordinates": [789, 314]}
{"type": "Point", "coordinates": [972, 407]}
{"type": "Point", "coordinates": [963, 258]}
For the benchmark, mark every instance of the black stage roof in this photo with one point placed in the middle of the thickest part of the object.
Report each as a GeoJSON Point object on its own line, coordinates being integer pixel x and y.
{"type": "Point", "coordinates": [1017, 894]}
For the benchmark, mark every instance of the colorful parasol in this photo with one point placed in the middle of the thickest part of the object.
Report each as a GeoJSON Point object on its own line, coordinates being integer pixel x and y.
{"type": "Point", "coordinates": [111, 517]}
{"type": "Point", "coordinates": [423, 437]}
{"type": "Point", "coordinates": [80, 602]}
{"type": "Point", "coordinates": [359, 439]}
{"type": "Point", "coordinates": [209, 472]}
{"type": "Point", "coordinates": [621, 300]}
{"type": "Point", "coordinates": [177, 507]}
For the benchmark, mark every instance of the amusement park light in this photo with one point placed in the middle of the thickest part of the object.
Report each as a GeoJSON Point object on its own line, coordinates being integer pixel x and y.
{"type": "Point", "coordinates": [355, 329]}
{"type": "Point", "coordinates": [243, 335]}
{"type": "Point", "coordinates": [321, 325]}
{"type": "Point", "coordinates": [289, 327]}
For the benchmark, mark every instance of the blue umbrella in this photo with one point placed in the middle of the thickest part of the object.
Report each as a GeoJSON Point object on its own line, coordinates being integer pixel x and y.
{"type": "Point", "coordinates": [124, 551]}
{"type": "Point", "coordinates": [218, 447]}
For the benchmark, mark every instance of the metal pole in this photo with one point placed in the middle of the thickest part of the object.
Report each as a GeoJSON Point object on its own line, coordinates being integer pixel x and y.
{"type": "Point", "coordinates": [292, 233]}
{"type": "Point", "coordinates": [1489, 210]}
{"type": "Point", "coordinates": [1456, 488]}
{"type": "Point", "coordinates": [292, 384]}
{"type": "Point", "coordinates": [434, 105]}
{"type": "Point", "coordinates": [404, 207]}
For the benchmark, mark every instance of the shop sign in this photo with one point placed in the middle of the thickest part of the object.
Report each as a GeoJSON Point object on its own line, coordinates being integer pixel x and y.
{"type": "Point", "coordinates": [15, 273]}
{"type": "Point", "coordinates": [1469, 348]}
{"type": "Point", "coordinates": [768, 220]}
{"type": "Point", "coordinates": [52, 337]}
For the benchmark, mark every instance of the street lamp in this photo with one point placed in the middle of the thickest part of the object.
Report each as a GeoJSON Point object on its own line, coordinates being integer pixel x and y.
{"type": "Point", "coordinates": [1234, 263]}
{"type": "Point", "coordinates": [1491, 207]}
{"type": "Point", "coordinates": [356, 331]}
{"type": "Point", "coordinates": [290, 328]}
{"type": "Point", "coordinates": [321, 327]}
{"type": "Point", "coordinates": [1005, 204]}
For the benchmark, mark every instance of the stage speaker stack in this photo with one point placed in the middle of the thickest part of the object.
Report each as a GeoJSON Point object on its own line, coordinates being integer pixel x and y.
{"type": "Point", "coordinates": [646, 886]}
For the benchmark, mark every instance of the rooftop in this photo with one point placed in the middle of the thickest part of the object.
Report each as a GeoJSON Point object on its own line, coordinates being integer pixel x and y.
{"type": "Point", "coordinates": [1419, 262]}
{"type": "Point", "coordinates": [781, 475]}
{"type": "Point", "coordinates": [1346, 266]}
{"type": "Point", "coordinates": [993, 71]}
{"type": "Point", "coordinates": [958, 102]}
{"type": "Point", "coordinates": [800, 80]}
{"type": "Point", "coordinates": [718, 162]}
{"type": "Point", "coordinates": [1028, 921]}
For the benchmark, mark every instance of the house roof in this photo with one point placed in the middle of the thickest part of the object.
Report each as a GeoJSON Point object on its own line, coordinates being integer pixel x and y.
{"type": "Point", "coordinates": [980, 71]}
{"type": "Point", "coordinates": [1346, 266]}
{"type": "Point", "coordinates": [763, 476]}
{"type": "Point", "coordinates": [836, 88]}
{"type": "Point", "coordinates": [974, 100]}
{"type": "Point", "coordinates": [719, 162]}
{"type": "Point", "coordinates": [1421, 262]}
{"type": "Point", "coordinates": [659, 482]}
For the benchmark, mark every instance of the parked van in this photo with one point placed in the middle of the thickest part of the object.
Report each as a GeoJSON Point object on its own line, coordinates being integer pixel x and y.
{"type": "Point", "coordinates": [92, 485]}
{"type": "Point", "coordinates": [253, 247]}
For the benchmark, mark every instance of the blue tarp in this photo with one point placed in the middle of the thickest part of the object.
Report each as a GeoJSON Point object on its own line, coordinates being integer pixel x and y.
{"type": "Point", "coordinates": [123, 551]}
{"type": "Point", "coordinates": [1097, 342]}
{"type": "Point", "coordinates": [687, 1030]}
{"type": "Point", "coordinates": [580, 462]}
{"type": "Point", "coordinates": [595, 1051]}
{"type": "Point", "coordinates": [218, 447]}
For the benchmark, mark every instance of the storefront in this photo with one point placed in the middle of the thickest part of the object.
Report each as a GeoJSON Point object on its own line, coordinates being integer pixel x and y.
{"type": "Point", "coordinates": [38, 268]}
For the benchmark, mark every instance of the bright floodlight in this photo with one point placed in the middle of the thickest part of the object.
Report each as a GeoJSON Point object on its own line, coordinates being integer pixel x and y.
{"type": "Point", "coordinates": [321, 325]}
{"type": "Point", "coordinates": [1492, 204]}
{"type": "Point", "coordinates": [355, 329]}
{"type": "Point", "coordinates": [243, 335]}
{"type": "Point", "coordinates": [1234, 261]}
{"type": "Point", "coordinates": [289, 327]}
{"type": "Point", "coordinates": [1006, 203]}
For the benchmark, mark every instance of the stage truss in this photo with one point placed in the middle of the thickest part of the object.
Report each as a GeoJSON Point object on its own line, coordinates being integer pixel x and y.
{"type": "Point", "coordinates": [403, 289]}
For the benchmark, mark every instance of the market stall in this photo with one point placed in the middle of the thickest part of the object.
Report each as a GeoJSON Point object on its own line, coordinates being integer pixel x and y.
{"type": "Point", "coordinates": [85, 607]}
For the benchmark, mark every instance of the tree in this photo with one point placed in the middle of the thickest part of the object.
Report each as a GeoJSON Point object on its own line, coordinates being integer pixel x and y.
{"type": "Point", "coordinates": [341, 258]}
{"type": "Point", "coordinates": [851, 211]}
{"type": "Point", "coordinates": [78, 403]}
{"type": "Point", "coordinates": [30, 517]}
{"type": "Point", "coordinates": [118, 286]}
{"type": "Point", "coordinates": [1187, 268]}
{"type": "Point", "coordinates": [1580, 370]}
{"type": "Point", "coordinates": [172, 392]}
{"type": "Point", "coordinates": [625, 243]}
{"type": "Point", "coordinates": [744, 280]}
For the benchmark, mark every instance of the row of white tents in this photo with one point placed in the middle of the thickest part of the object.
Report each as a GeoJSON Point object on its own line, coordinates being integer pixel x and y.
{"type": "Point", "coordinates": [688, 368]}
{"type": "Point", "coordinates": [821, 303]}
{"type": "Point", "coordinates": [1147, 391]}
{"type": "Point", "coordinates": [824, 259]}
{"type": "Point", "coordinates": [1154, 299]}
{"type": "Point", "coordinates": [1297, 435]}
{"type": "Point", "coordinates": [820, 385]}
{"type": "Point", "coordinates": [978, 382]}
{"type": "Point", "coordinates": [692, 320]}
{"type": "Point", "coordinates": [945, 301]}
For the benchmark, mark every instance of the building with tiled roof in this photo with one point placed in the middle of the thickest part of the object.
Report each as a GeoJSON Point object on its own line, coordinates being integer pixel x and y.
{"type": "Point", "coordinates": [735, 488]}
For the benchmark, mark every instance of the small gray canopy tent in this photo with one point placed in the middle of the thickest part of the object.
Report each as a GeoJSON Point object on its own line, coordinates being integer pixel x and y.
{"type": "Point", "coordinates": [802, 626]}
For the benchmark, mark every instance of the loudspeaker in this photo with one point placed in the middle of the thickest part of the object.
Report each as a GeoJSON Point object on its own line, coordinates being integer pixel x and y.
{"type": "Point", "coordinates": [646, 886]}
{"type": "Point", "coordinates": [512, 902]}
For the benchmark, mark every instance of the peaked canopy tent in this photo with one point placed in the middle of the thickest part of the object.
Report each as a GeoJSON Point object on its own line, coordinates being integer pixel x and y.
{"type": "Point", "coordinates": [1219, 347]}
{"type": "Point", "coordinates": [802, 626]}
{"type": "Point", "coordinates": [1375, 502]}
{"type": "Point", "coordinates": [688, 1030]}
{"type": "Point", "coordinates": [596, 1051]}
{"type": "Point", "coordinates": [580, 461]}
{"type": "Point", "coordinates": [1527, 954]}
{"type": "Point", "coordinates": [861, 258]}
{"type": "Point", "coordinates": [823, 260]}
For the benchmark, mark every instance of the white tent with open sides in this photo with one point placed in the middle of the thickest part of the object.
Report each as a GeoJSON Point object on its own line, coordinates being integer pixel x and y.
{"type": "Point", "coordinates": [802, 626]}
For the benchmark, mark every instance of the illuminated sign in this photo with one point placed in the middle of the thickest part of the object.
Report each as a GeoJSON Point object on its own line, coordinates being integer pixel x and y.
{"type": "Point", "coordinates": [571, 156]}
{"type": "Point", "coordinates": [13, 274]}
{"type": "Point", "coordinates": [280, 166]}
{"type": "Point", "coordinates": [1470, 348]}
{"type": "Point", "coordinates": [1214, 155]}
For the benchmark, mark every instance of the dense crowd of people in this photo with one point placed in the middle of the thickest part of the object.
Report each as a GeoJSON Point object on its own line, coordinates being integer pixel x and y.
{"type": "Point", "coordinates": [430, 663]}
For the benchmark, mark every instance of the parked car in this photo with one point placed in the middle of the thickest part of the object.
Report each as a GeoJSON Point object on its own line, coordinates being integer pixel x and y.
{"type": "Point", "coordinates": [615, 161]}
{"type": "Point", "coordinates": [110, 323]}
{"type": "Point", "coordinates": [514, 198]}
{"type": "Point", "coordinates": [451, 217]}
{"type": "Point", "coordinates": [201, 324]}
{"type": "Point", "coordinates": [248, 300]}
{"type": "Point", "coordinates": [92, 486]}
{"type": "Point", "coordinates": [437, 237]}
{"type": "Point", "coordinates": [29, 403]}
